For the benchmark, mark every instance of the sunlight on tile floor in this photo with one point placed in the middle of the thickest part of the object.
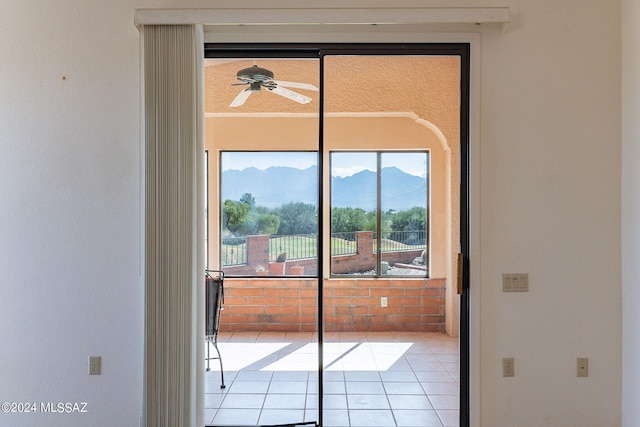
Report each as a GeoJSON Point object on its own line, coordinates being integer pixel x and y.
{"type": "Point", "coordinates": [394, 379]}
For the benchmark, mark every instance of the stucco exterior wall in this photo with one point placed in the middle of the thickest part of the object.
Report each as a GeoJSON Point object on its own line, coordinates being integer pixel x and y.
{"type": "Point", "coordinates": [354, 132]}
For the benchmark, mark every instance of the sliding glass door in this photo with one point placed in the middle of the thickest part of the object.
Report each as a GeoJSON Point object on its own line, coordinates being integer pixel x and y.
{"type": "Point", "coordinates": [336, 212]}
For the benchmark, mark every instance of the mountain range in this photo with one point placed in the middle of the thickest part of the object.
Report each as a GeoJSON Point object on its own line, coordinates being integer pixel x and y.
{"type": "Point", "coordinates": [278, 185]}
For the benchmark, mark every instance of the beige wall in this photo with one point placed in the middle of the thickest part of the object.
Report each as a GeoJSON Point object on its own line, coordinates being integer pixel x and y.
{"type": "Point", "coordinates": [630, 211]}
{"type": "Point", "coordinates": [547, 158]}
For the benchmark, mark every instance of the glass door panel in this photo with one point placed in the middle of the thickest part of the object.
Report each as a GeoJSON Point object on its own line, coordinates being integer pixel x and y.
{"type": "Point", "coordinates": [261, 132]}
{"type": "Point", "coordinates": [390, 125]}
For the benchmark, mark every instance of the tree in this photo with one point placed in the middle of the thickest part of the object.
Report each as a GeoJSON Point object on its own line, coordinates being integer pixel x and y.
{"type": "Point", "coordinates": [297, 218]}
{"type": "Point", "coordinates": [248, 199]}
{"type": "Point", "coordinates": [409, 225]}
{"type": "Point", "coordinates": [234, 215]}
{"type": "Point", "coordinates": [267, 223]}
{"type": "Point", "coordinates": [415, 219]}
{"type": "Point", "coordinates": [347, 220]}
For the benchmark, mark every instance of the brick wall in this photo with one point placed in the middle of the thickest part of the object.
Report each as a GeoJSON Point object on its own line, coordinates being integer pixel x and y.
{"type": "Point", "coordinates": [289, 304]}
{"type": "Point", "coordinates": [364, 259]}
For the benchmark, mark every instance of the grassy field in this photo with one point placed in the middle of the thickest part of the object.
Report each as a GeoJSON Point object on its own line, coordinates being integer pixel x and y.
{"type": "Point", "coordinates": [299, 247]}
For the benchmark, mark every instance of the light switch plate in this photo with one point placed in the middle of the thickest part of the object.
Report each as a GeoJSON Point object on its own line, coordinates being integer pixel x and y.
{"type": "Point", "coordinates": [515, 282]}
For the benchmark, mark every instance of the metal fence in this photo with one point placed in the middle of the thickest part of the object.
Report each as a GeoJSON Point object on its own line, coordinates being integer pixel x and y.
{"type": "Point", "coordinates": [296, 246]}
{"type": "Point", "coordinates": [401, 241]}
{"type": "Point", "coordinates": [344, 243]}
{"type": "Point", "coordinates": [233, 251]}
{"type": "Point", "coordinates": [303, 246]}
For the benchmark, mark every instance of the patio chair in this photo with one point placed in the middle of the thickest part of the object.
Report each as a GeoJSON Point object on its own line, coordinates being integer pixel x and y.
{"type": "Point", "coordinates": [214, 298]}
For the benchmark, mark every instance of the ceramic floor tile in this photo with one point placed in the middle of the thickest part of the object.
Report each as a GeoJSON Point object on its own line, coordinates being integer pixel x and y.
{"type": "Point", "coordinates": [333, 376]}
{"type": "Point", "coordinates": [271, 337]}
{"type": "Point", "coordinates": [290, 376]}
{"type": "Point", "coordinates": [449, 417]}
{"type": "Point", "coordinates": [285, 401]}
{"type": "Point", "coordinates": [441, 388]}
{"type": "Point", "coordinates": [254, 376]}
{"type": "Point", "coordinates": [403, 388]}
{"type": "Point", "coordinates": [208, 415]}
{"type": "Point", "coordinates": [371, 418]}
{"type": "Point", "coordinates": [334, 401]}
{"type": "Point", "coordinates": [281, 416]}
{"type": "Point", "coordinates": [249, 387]}
{"type": "Point", "coordinates": [311, 414]}
{"type": "Point", "coordinates": [335, 417]}
{"type": "Point", "coordinates": [423, 357]}
{"type": "Point", "coordinates": [445, 349]}
{"type": "Point", "coordinates": [364, 387]}
{"type": "Point", "coordinates": [445, 401]}
{"type": "Point", "coordinates": [215, 387]}
{"type": "Point", "coordinates": [288, 387]}
{"type": "Point", "coordinates": [334, 387]}
{"type": "Point", "coordinates": [236, 417]}
{"type": "Point", "coordinates": [415, 375]}
{"type": "Point", "coordinates": [451, 366]}
{"type": "Point", "coordinates": [362, 376]}
{"type": "Point", "coordinates": [417, 418]}
{"type": "Point", "coordinates": [329, 387]}
{"type": "Point", "coordinates": [421, 366]}
{"type": "Point", "coordinates": [398, 365]}
{"type": "Point", "coordinates": [435, 377]}
{"type": "Point", "coordinates": [311, 402]}
{"type": "Point", "coordinates": [449, 358]}
{"type": "Point", "coordinates": [240, 401]}
{"type": "Point", "coordinates": [330, 401]}
{"type": "Point", "coordinates": [398, 376]}
{"type": "Point", "coordinates": [367, 401]}
{"type": "Point", "coordinates": [403, 401]}
{"type": "Point", "coordinates": [212, 400]}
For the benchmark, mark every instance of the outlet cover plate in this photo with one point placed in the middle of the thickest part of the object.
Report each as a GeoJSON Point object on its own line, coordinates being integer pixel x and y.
{"type": "Point", "coordinates": [508, 367]}
{"type": "Point", "coordinates": [95, 363]}
{"type": "Point", "coordinates": [583, 367]}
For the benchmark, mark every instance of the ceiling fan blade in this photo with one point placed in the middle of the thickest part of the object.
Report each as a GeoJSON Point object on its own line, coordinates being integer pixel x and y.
{"type": "Point", "coordinates": [297, 85]}
{"type": "Point", "coordinates": [241, 98]}
{"type": "Point", "coordinates": [294, 96]}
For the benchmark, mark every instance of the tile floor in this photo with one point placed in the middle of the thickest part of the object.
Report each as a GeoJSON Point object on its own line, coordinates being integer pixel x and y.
{"type": "Point", "coordinates": [370, 379]}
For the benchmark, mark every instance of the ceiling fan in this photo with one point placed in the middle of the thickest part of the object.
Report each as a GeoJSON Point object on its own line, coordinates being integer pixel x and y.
{"type": "Point", "coordinates": [257, 78]}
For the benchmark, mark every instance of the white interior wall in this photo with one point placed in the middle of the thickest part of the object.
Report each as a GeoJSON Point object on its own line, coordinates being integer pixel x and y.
{"type": "Point", "coordinates": [630, 211]}
{"type": "Point", "coordinates": [70, 248]}
{"type": "Point", "coordinates": [550, 205]}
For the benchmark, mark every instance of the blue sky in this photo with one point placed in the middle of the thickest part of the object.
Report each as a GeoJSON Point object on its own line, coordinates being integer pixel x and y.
{"type": "Point", "coordinates": [342, 164]}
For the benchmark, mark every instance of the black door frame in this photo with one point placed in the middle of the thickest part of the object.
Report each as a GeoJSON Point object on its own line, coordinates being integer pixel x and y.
{"type": "Point", "coordinates": [319, 51]}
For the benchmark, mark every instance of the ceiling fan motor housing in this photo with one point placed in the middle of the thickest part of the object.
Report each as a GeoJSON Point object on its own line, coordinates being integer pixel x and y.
{"type": "Point", "coordinates": [257, 78]}
{"type": "Point", "coordinates": [255, 73]}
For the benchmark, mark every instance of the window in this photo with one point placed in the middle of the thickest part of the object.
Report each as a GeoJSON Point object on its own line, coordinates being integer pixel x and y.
{"type": "Point", "coordinates": [380, 213]}
{"type": "Point", "coordinates": [269, 211]}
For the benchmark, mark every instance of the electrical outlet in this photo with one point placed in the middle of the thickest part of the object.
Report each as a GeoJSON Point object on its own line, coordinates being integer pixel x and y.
{"type": "Point", "coordinates": [383, 302]}
{"type": "Point", "coordinates": [583, 366]}
{"type": "Point", "coordinates": [94, 365]}
{"type": "Point", "coordinates": [508, 367]}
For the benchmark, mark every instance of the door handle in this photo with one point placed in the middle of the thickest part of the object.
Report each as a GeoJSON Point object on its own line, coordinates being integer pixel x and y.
{"type": "Point", "coordinates": [460, 272]}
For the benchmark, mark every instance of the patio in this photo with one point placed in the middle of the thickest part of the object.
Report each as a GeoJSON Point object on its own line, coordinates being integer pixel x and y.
{"type": "Point", "coordinates": [370, 379]}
